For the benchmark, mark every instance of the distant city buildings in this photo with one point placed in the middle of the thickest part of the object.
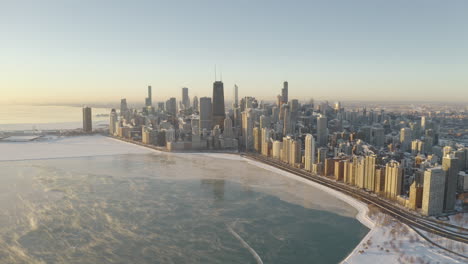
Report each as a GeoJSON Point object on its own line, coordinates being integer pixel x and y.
{"type": "Point", "coordinates": [399, 157]}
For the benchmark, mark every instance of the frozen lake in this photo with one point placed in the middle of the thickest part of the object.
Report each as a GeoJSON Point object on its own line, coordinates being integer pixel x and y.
{"type": "Point", "coordinates": [167, 208]}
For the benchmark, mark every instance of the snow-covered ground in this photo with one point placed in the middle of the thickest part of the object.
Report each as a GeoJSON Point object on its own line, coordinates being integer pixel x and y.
{"type": "Point", "coordinates": [67, 147]}
{"type": "Point", "coordinates": [388, 241]}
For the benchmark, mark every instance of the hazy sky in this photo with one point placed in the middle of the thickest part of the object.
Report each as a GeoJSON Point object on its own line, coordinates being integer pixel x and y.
{"type": "Point", "coordinates": [98, 50]}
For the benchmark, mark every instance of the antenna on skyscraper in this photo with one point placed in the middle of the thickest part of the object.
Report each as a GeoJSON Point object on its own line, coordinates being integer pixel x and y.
{"type": "Point", "coordinates": [215, 72]}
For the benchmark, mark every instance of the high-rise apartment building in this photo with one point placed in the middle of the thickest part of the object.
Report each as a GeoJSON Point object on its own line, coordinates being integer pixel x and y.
{"type": "Point", "coordinates": [369, 181]}
{"type": "Point", "coordinates": [450, 167]}
{"type": "Point", "coordinates": [87, 120]}
{"type": "Point", "coordinates": [433, 191]}
{"type": "Point", "coordinates": [309, 152]}
{"type": "Point", "coordinates": [113, 122]}
{"type": "Point", "coordinates": [218, 104]}
{"type": "Point", "coordinates": [393, 179]}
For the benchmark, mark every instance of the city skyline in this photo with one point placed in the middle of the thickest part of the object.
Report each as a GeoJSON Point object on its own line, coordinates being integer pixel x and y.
{"type": "Point", "coordinates": [69, 52]}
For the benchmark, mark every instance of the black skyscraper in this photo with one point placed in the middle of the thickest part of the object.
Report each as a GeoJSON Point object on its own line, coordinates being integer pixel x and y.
{"type": "Point", "coordinates": [218, 104]}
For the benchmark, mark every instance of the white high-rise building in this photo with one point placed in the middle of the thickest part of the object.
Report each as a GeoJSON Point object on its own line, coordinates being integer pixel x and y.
{"type": "Point", "coordinates": [322, 131]}
{"type": "Point", "coordinates": [309, 151]}
{"type": "Point", "coordinates": [393, 179]}
{"type": "Point", "coordinates": [113, 122]}
{"type": "Point", "coordinates": [276, 149]}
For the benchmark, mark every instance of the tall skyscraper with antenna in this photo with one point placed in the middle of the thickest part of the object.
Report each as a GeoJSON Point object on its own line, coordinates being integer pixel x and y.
{"type": "Point", "coordinates": [284, 93]}
{"type": "Point", "coordinates": [218, 104]}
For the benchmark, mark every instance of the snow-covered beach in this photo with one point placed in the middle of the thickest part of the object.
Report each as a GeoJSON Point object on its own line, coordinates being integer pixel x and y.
{"type": "Point", "coordinates": [391, 242]}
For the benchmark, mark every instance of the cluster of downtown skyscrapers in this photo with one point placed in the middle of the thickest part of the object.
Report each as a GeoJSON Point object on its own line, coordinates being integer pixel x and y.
{"type": "Point", "coordinates": [397, 156]}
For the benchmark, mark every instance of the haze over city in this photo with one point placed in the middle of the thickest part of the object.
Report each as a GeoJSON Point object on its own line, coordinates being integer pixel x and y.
{"type": "Point", "coordinates": [98, 51]}
{"type": "Point", "coordinates": [207, 131]}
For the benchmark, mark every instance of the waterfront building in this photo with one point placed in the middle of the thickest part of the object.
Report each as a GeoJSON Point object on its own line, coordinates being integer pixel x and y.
{"type": "Point", "coordinates": [276, 149]}
{"type": "Point", "coordinates": [393, 179]}
{"type": "Point", "coordinates": [379, 180]}
{"type": "Point", "coordinates": [266, 142]}
{"type": "Point", "coordinates": [369, 178]}
{"type": "Point", "coordinates": [309, 151]}
{"type": "Point", "coordinates": [257, 139]}
{"type": "Point", "coordinates": [415, 196]}
{"type": "Point", "coordinates": [113, 122]}
{"type": "Point", "coordinates": [87, 120]}
{"type": "Point", "coordinates": [295, 152]}
{"type": "Point", "coordinates": [322, 154]}
{"type": "Point", "coordinates": [433, 192]}
{"type": "Point", "coordinates": [450, 167]}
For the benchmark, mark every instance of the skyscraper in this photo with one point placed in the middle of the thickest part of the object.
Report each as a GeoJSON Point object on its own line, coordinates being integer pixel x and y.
{"type": "Point", "coordinates": [322, 131]}
{"type": "Point", "coordinates": [247, 128]}
{"type": "Point", "coordinates": [235, 102]}
{"type": "Point", "coordinates": [450, 167]}
{"type": "Point", "coordinates": [87, 120]}
{"type": "Point", "coordinates": [149, 100]}
{"type": "Point", "coordinates": [284, 93]}
{"type": "Point", "coordinates": [405, 138]}
{"type": "Point", "coordinates": [185, 98]}
{"type": "Point", "coordinates": [433, 191]}
{"type": "Point", "coordinates": [123, 106]}
{"type": "Point", "coordinates": [205, 114]}
{"type": "Point", "coordinates": [393, 179]}
{"type": "Point", "coordinates": [171, 106]}
{"type": "Point", "coordinates": [195, 103]}
{"type": "Point", "coordinates": [218, 104]}
{"type": "Point", "coordinates": [309, 152]}
{"type": "Point", "coordinates": [113, 122]}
